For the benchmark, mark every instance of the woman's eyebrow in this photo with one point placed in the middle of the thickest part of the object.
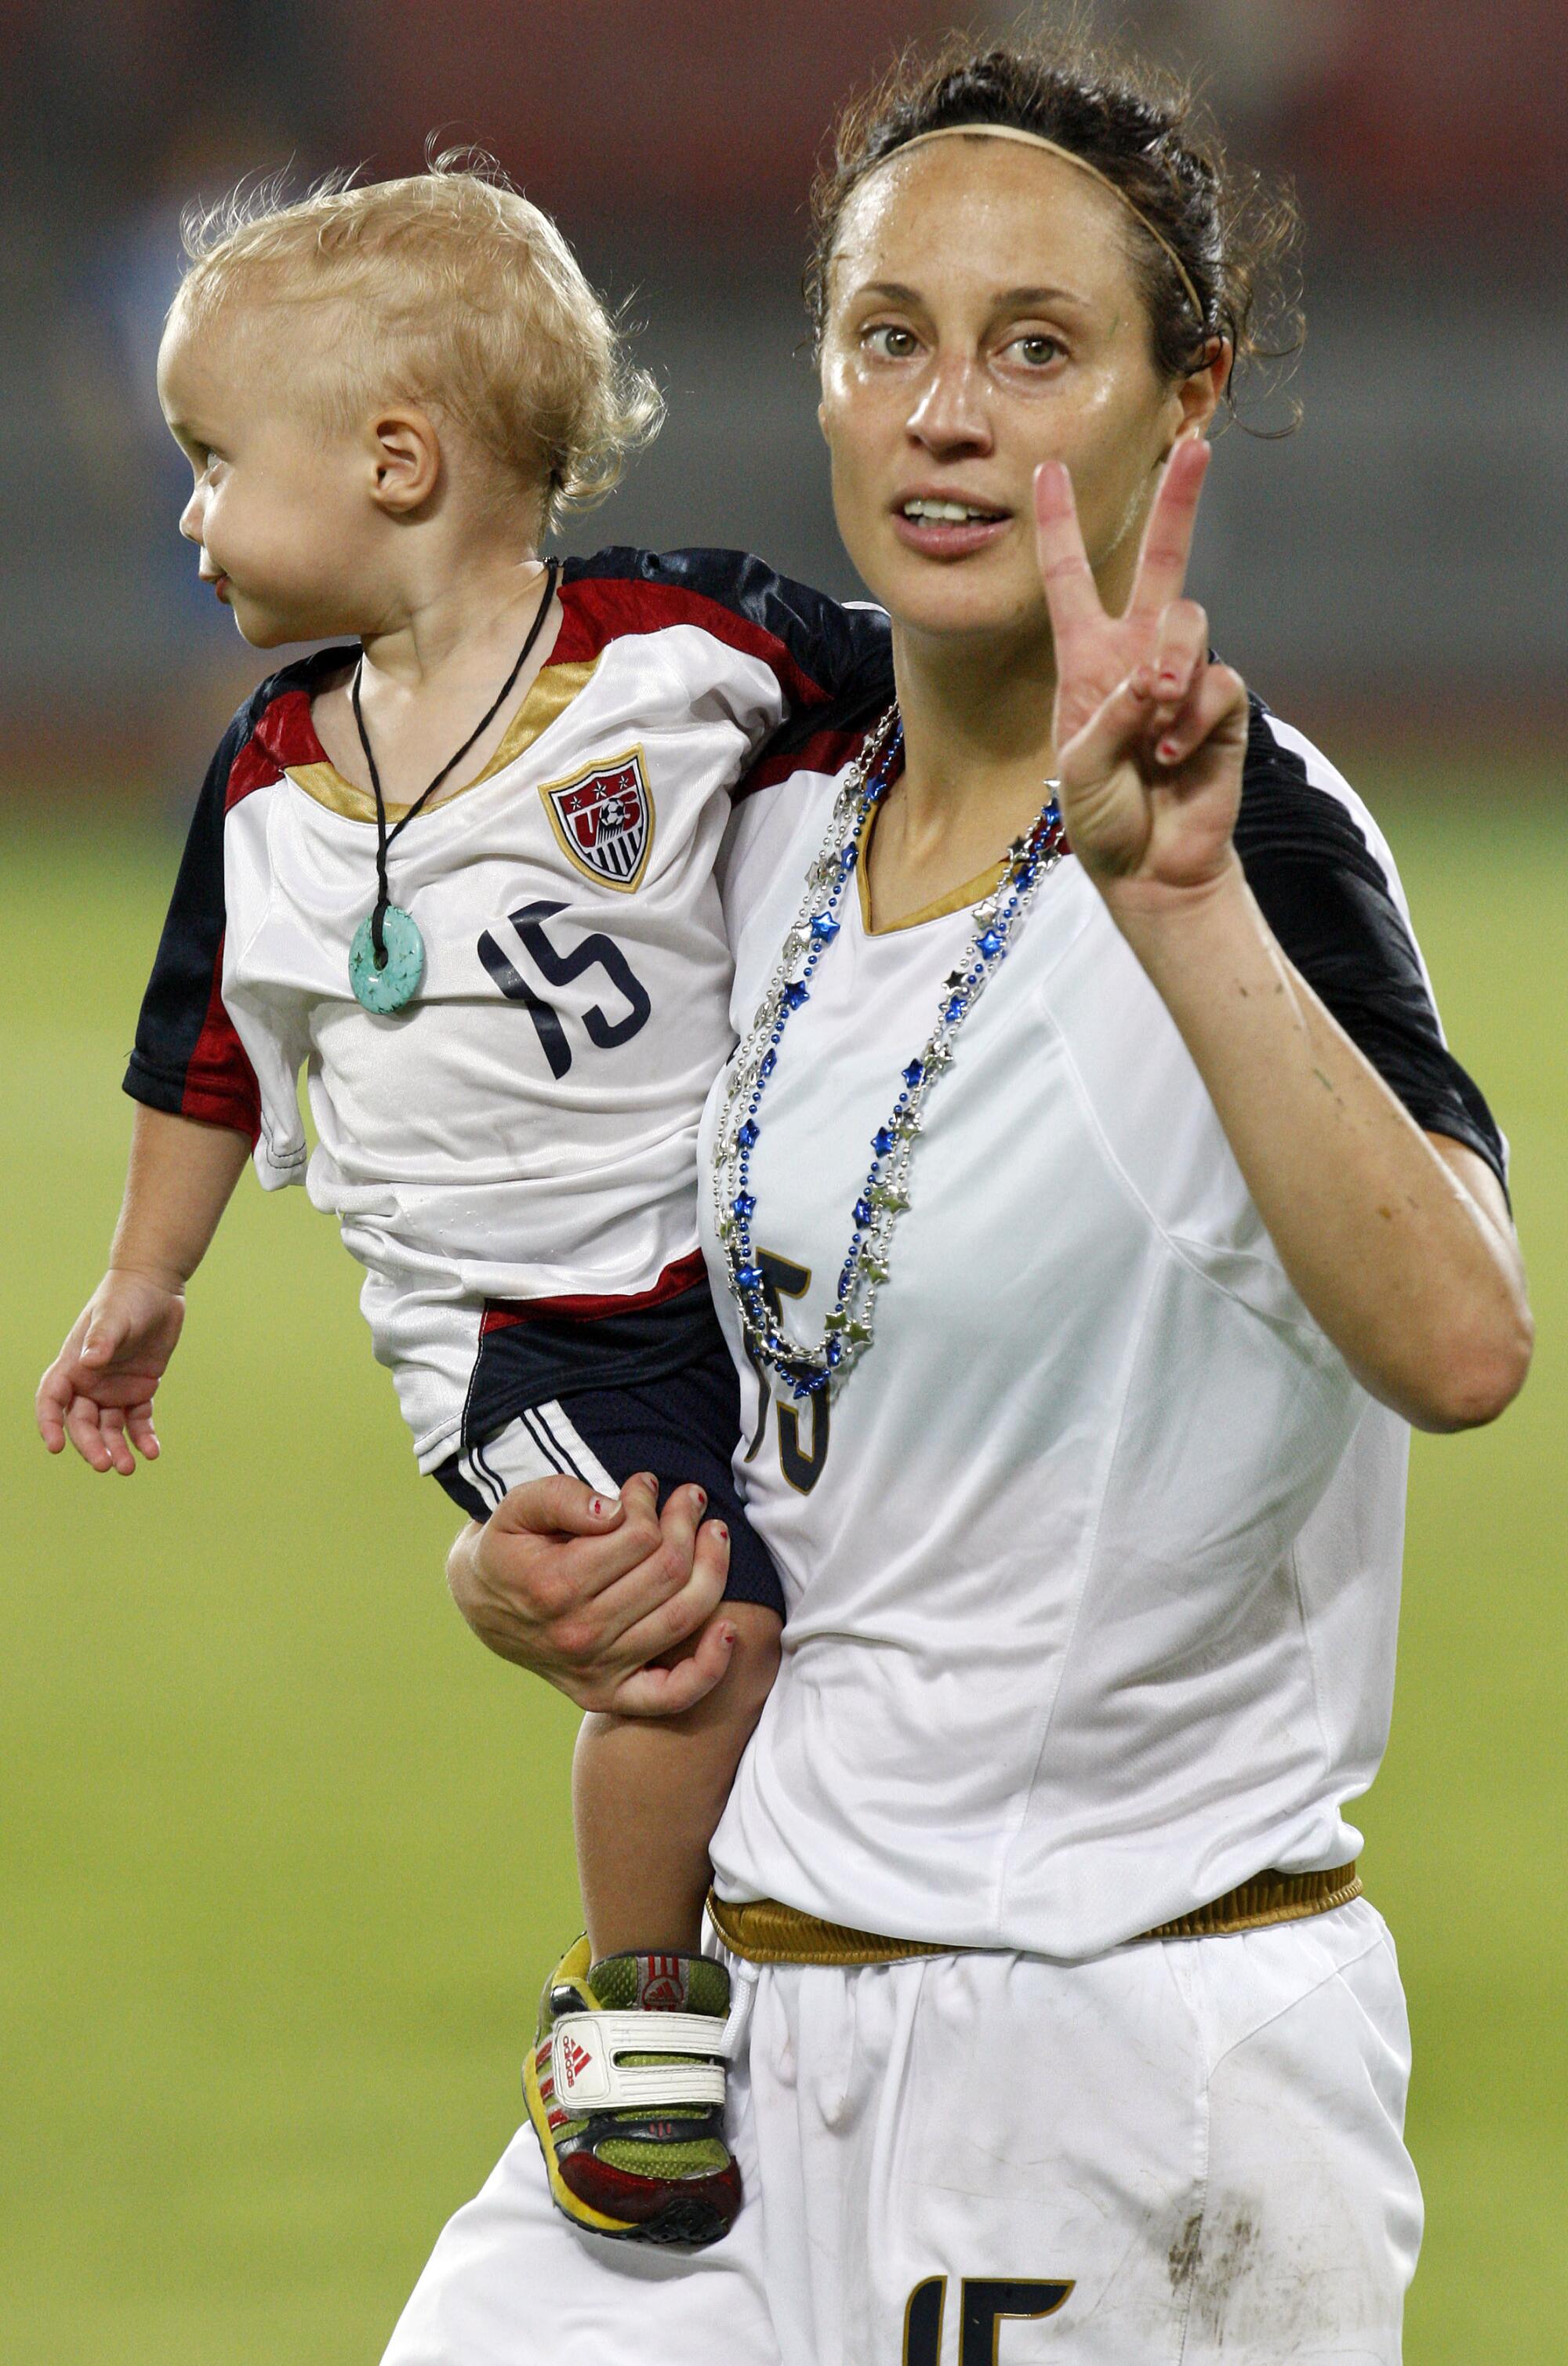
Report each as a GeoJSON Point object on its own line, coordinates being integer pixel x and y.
{"type": "Point", "coordinates": [1009, 299]}
{"type": "Point", "coordinates": [1030, 300]}
{"type": "Point", "coordinates": [890, 291]}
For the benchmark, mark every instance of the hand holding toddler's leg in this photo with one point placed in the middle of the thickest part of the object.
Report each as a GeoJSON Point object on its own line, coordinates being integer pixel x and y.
{"type": "Point", "coordinates": [588, 1591]}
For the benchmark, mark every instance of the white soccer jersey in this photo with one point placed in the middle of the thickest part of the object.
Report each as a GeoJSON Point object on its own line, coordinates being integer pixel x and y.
{"type": "Point", "coordinates": [526, 1129]}
{"type": "Point", "coordinates": [1092, 1562]}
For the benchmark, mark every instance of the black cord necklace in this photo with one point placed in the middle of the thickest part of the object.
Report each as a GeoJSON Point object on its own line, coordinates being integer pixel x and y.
{"type": "Point", "coordinates": [386, 961]}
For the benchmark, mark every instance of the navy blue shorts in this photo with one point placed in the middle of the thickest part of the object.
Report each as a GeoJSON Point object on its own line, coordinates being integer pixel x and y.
{"type": "Point", "coordinates": [603, 1397]}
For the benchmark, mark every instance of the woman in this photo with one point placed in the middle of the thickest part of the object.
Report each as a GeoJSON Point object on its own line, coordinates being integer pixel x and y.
{"type": "Point", "coordinates": [1091, 1227]}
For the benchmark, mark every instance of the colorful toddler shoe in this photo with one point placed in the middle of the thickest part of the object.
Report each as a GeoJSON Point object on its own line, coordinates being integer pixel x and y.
{"type": "Point", "coordinates": [625, 2088]}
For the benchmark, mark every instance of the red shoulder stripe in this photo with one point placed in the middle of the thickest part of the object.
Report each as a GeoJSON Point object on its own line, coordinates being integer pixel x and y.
{"type": "Point", "coordinates": [825, 751]}
{"type": "Point", "coordinates": [601, 609]}
{"type": "Point", "coordinates": [220, 1084]}
{"type": "Point", "coordinates": [284, 735]}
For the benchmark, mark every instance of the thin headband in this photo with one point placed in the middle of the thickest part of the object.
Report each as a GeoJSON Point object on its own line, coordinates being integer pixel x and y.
{"type": "Point", "coordinates": [1037, 140]}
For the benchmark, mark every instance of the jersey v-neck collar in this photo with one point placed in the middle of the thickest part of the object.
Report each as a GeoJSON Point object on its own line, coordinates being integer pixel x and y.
{"type": "Point", "coordinates": [549, 694]}
{"type": "Point", "coordinates": [957, 899]}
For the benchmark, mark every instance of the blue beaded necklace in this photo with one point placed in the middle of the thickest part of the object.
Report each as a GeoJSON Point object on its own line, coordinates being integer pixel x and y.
{"type": "Point", "coordinates": [804, 1368]}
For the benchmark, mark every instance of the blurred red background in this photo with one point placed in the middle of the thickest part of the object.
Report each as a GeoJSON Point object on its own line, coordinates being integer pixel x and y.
{"type": "Point", "coordinates": [1396, 560]}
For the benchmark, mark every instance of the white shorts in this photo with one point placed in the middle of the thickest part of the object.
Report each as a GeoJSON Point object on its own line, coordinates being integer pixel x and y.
{"type": "Point", "coordinates": [1181, 2152]}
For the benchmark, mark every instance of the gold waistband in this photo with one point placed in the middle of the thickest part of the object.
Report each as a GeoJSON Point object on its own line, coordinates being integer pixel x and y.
{"type": "Point", "coordinates": [763, 1931]}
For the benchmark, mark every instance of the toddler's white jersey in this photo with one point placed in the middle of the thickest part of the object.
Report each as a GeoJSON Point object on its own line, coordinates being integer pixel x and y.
{"type": "Point", "coordinates": [1092, 1561]}
{"type": "Point", "coordinates": [526, 1129]}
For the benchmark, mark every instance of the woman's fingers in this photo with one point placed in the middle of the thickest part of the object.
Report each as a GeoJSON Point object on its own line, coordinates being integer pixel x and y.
{"type": "Point", "coordinates": [558, 1506]}
{"type": "Point", "coordinates": [1218, 693]}
{"type": "Point", "coordinates": [666, 1598]}
{"type": "Point", "coordinates": [634, 1594]}
{"type": "Point", "coordinates": [585, 1595]}
{"type": "Point", "coordinates": [1181, 650]}
{"type": "Point", "coordinates": [564, 1544]}
{"type": "Point", "coordinates": [665, 1691]}
{"type": "Point", "coordinates": [1117, 727]}
{"type": "Point", "coordinates": [683, 1614]}
{"type": "Point", "coordinates": [652, 1563]}
{"type": "Point", "coordinates": [1138, 722]}
{"type": "Point", "coordinates": [1071, 593]}
{"type": "Point", "coordinates": [1168, 537]}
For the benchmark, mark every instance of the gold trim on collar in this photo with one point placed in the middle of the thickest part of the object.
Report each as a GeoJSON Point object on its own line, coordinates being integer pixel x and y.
{"type": "Point", "coordinates": [958, 900]}
{"type": "Point", "coordinates": [553, 690]}
{"type": "Point", "coordinates": [554, 687]}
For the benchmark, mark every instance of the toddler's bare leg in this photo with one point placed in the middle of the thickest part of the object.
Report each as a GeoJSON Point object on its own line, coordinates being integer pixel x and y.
{"type": "Point", "coordinates": [647, 1794]}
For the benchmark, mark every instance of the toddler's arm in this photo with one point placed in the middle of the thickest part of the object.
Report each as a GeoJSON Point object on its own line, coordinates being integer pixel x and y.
{"type": "Point", "coordinates": [98, 1391]}
{"type": "Point", "coordinates": [647, 1794]}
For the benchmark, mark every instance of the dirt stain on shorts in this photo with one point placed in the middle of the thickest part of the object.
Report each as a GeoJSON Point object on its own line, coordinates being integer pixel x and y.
{"type": "Point", "coordinates": [1210, 2257]}
{"type": "Point", "coordinates": [1225, 2254]}
{"type": "Point", "coordinates": [1182, 2257]}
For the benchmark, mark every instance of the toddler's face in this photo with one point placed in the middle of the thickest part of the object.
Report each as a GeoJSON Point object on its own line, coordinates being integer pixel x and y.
{"type": "Point", "coordinates": [278, 510]}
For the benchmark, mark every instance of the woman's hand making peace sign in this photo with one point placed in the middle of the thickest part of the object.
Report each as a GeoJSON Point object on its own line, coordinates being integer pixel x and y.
{"type": "Point", "coordinates": [1150, 737]}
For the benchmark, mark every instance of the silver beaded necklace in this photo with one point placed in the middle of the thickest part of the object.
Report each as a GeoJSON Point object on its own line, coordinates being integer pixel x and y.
{"type": "Point", "coordinates": [806, 1368]}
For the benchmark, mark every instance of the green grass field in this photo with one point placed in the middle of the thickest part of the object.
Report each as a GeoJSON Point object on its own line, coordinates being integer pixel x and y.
{"type": "Point", "coordinates": [285, 1853]}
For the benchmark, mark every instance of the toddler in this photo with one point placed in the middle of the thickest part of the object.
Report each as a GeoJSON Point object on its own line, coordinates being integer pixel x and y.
{"type": "Point", "coordinates": [460, 870]}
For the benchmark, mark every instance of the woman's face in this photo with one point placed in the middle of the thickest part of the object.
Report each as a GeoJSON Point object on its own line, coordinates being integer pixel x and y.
{"type": "Point", "coordinates": [984, 316]}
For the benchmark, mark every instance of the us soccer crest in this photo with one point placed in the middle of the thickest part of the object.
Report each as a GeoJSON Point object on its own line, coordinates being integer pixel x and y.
{"type": "Point", "coordinates": [604, 819]}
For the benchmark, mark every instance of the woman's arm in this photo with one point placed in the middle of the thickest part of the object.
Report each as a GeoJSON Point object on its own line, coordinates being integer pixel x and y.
{"type": "Point", "coordinates": [1401, 1248]}
{"type": "Point", "coordinates": [1398, 1242]}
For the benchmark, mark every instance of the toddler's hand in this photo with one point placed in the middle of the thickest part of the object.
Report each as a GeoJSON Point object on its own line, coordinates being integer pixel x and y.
{"type": "Point", "coordinates": [98, 1391]}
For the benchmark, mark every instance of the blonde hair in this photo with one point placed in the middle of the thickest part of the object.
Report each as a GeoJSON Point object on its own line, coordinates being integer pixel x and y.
{"type": "Point", "coordinates": [469, 301]}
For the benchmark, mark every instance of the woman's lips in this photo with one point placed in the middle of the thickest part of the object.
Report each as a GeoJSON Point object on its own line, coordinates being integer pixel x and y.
{"type": "Point", "coordinates": [945, 538]}
{"type": "Point", "coordinates": [219, 588]}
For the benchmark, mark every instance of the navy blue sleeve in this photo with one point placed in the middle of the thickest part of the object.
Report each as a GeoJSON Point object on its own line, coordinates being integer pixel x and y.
{"type": "Point", "coordinates": [1325, 896]}
{"type": "Point", "coordinates": [824, 738]}
{"type": "Point", "coordinates": [188, 1060]}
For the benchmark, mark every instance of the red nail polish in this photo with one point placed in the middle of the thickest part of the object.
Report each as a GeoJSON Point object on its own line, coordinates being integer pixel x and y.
{"type": "Point", "coordinates": [596, 1505]}
{"type": "Point", "coordinates": [719, 1529]}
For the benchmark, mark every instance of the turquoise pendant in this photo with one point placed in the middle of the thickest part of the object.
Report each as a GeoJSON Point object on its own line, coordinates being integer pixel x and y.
{"type": "Point", "coordinates": [394, 986]}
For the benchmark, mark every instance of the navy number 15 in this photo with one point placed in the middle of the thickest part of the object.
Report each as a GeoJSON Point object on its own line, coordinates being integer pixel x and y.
{"type": "Point", "coordinates": [559, 969]}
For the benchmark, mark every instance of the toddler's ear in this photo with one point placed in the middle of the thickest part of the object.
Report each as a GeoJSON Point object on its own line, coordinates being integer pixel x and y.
{"type": "Point", "coordinates": [406, 449]}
